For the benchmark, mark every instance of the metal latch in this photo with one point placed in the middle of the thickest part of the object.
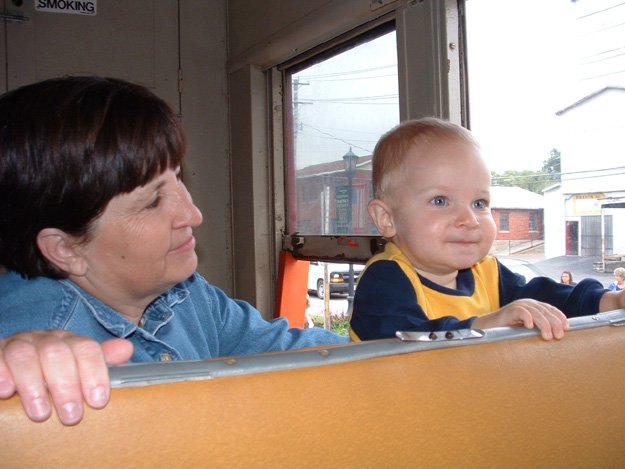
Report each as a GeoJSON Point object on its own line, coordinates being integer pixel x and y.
{"type": "Point", "coordinates": [460, 334]}
{"type": "Point", "coordinates": [376, 4]}
{"type": "Point", "coordinates": [9, 16]}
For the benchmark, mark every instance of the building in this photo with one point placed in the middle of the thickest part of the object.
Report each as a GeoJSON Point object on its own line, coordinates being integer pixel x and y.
{"type": "Point", "coordinates": [584, 213]}
{"type": "Point", "coordinates": [518, 214]}
{"type": "Point", "coordinates": [323, 198]}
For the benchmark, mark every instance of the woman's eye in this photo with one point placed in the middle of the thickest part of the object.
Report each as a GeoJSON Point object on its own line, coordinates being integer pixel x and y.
{"type": "Point", "coordinates": [480, 204]}
{"type": "Point", "coordinates": [155, 203]}
{"type": "Point", "coordinates": [439, 201]}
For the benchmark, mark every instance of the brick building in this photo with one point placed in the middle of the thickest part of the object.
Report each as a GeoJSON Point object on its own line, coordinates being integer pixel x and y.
{"type": "Point", "coordinates": [518, 214]}
{"type": "Point", "coordinates": [321, 202]}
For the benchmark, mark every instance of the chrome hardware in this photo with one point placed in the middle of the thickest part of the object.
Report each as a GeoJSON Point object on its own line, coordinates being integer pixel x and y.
{"type": "Point", "coordinates": [461, 334]}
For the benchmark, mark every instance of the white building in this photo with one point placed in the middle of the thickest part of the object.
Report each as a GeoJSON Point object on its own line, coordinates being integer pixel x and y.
{"type": "Point", "coordinates": [584, 213]}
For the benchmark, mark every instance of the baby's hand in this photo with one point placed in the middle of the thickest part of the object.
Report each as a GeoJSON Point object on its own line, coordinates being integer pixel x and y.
{"type": "Point", "coordinates": [529, 313]}
{"type": "Point", "coordinates": [612, 300]}
{"type": "Point", "coordinates": [620, 299]}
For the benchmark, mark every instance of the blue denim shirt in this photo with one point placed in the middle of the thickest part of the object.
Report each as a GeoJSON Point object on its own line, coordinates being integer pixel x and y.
{"type": "Point", "coordinates": [193, 320]}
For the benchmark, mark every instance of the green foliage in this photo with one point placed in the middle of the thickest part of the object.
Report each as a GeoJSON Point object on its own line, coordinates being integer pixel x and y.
{"type": "Point", "coordinates": [535, 181]}
{"type": "Point", "coordinates": [339, 324]}
{"type": "Point", "coordinates": [552, 165]}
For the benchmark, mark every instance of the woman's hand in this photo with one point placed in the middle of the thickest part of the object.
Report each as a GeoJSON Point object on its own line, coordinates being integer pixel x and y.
{"type": "Point", "coordinates": [551, 322]}
{"type": "Point", "coordinates": [68, 366]}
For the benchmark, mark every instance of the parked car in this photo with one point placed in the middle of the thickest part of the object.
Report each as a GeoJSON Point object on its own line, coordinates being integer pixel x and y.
{"type": "Point", "coordinates": [338, 275]}
{"type": "Point", "coordinates": [522, 267]}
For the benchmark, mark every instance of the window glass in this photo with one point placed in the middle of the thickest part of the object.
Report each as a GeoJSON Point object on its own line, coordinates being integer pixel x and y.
{"type": "Point", "coordinates": [533, 221]}
{"type": "Point", "coordinates": [340, 108]}
{"type": "Point", "coordinates": [503, 221]}
{"type": "Point", "coordinates": [547, 93]}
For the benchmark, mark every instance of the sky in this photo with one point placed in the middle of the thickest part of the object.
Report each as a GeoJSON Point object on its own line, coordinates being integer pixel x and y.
{"type": "Point", "coordinates": [527, 60]}
{"type": "Point", "coordinates": [347, 102]}
{"type": "Point", "coordinates": [522, 72]}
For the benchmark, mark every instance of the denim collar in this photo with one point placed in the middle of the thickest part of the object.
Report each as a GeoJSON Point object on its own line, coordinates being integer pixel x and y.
{"type": "Point", "coordinates": [156, 315]}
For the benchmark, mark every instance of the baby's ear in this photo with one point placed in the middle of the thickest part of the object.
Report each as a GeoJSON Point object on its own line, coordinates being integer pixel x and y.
{"type": "Point", "coordinates": [382, 216]}
{"type": "Point", "coordinates": [59, 248]}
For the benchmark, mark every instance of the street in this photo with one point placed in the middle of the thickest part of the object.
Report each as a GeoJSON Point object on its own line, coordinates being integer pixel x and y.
{"type": "Point", "coordinates": [338, 305]}
{"type": "Point", "coordinates": [580, 267]}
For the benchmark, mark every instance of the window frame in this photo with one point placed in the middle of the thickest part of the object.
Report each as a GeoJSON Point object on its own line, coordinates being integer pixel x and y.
{"type": "Point", "coordinates": [533, 220]}
{"type": "Point", "coordinates": [504, 215]}
{"type": "Point", "coordinates": [432, 82]}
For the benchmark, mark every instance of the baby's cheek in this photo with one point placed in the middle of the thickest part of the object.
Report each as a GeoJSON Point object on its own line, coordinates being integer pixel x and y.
{"type": "Point", "coordinates": [490, 228]}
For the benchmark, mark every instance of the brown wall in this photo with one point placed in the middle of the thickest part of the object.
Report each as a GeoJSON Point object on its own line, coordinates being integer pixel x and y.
{"type": "Point", "coordinates": [518, 224]}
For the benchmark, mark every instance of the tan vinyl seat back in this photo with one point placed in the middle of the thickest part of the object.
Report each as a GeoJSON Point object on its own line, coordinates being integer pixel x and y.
{"type": "Point", "coordinates": [508, 399]}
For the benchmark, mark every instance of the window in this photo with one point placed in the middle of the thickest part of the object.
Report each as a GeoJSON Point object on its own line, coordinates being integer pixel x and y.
{"type": "Point", "coordinates": [504, 223]}
{"type": "Point", "coordinates": [533, 221]}
{"type": "Point", "coordinates": [341, 105]}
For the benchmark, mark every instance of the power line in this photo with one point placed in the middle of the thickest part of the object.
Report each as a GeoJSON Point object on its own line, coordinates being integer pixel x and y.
{"type": "Point", "coordinates": [376, 134]}
{"type": "Point", "coordinates": [332, 101]}
{"type": "Point", "coordinates": [394, 75]}
{"type": "Point", "coordinates": [577, 175]}
{"type": "Point", "coordinates": [600, 11]}
{"type": "Point", "coordinates": [603, 75]}
{"type": "Point", "coordinates": [358, 100]}
{"type": "Point", "coordinates": [331, 136]}
{"type": "Point", "coordinates": [594, 56]}
{"type": "Point", "coordinates": [337, 138]}
{"type": "Point", "coordinates": [601, 30]}
{"type": "Point", "coordinates": [348, 72]}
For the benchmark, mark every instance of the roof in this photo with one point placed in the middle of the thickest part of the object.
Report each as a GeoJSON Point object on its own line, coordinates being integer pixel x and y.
{"type": "Point", "coordinates": [515, 197]}
{"type": "Point", "coordinates": [589, 98]}
{"type": "Point", "coordinates": [332, 167]}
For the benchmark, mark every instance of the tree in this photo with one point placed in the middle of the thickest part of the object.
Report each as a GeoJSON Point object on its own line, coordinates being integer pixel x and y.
{"type": "Point", "coordinates": [534, 181]}
{"type": "Point", "coordinates": [552, 165]}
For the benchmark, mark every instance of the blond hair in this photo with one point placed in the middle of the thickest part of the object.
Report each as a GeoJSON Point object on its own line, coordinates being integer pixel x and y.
{"type": "Point", "coordinates": [391, 151]}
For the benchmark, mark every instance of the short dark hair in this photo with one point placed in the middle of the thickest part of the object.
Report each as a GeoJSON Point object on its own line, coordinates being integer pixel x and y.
{"type": "Point", "coordinates": [67, 147]}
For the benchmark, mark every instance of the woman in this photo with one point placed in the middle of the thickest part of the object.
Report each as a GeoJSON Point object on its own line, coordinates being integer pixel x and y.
{"type": "Point", "coordinates": [619, 275]}
{"type": "Point", "coordinates": [96, 231]}
{"type": "Point", "coordinates": [567, 277]}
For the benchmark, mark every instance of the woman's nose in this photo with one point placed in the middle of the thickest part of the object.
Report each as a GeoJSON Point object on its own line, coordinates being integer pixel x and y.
{"type": "Point", "coordinates": [187, 212]}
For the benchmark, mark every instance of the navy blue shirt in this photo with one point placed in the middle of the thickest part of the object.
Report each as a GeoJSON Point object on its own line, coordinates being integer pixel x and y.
{"type": "Point", "coordinates": [386, 301]}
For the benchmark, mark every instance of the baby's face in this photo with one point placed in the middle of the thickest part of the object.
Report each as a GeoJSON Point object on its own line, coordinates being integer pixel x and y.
{"type": "Point", "coordinates": [441, 213]}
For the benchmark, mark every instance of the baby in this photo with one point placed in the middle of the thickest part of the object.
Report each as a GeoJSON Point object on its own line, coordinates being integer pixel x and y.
{"type": "Point", "coordinates": [432, 205]}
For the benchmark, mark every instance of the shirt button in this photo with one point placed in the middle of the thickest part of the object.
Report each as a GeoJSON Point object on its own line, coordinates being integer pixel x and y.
{"type": "Point", "coordinates": [166, 357]}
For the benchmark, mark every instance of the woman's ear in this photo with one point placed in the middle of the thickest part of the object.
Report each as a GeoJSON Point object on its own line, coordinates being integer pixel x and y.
{"type": "Point", "coordinates": [382, 216]}
{"type": "Point", "coordinates": [59, 248]}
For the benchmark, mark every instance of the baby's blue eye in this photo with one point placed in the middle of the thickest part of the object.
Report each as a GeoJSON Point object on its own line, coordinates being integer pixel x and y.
{"type": "Point", "coordinates": [480, 204]}
{"type": "Point", "coordinates": [439, 201]}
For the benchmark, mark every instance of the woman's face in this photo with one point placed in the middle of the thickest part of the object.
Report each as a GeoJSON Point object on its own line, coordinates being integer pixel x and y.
{"type": "Point", "coordinates": [142, 244]}
{"type": "Point", "coordinates": [565, 278]}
